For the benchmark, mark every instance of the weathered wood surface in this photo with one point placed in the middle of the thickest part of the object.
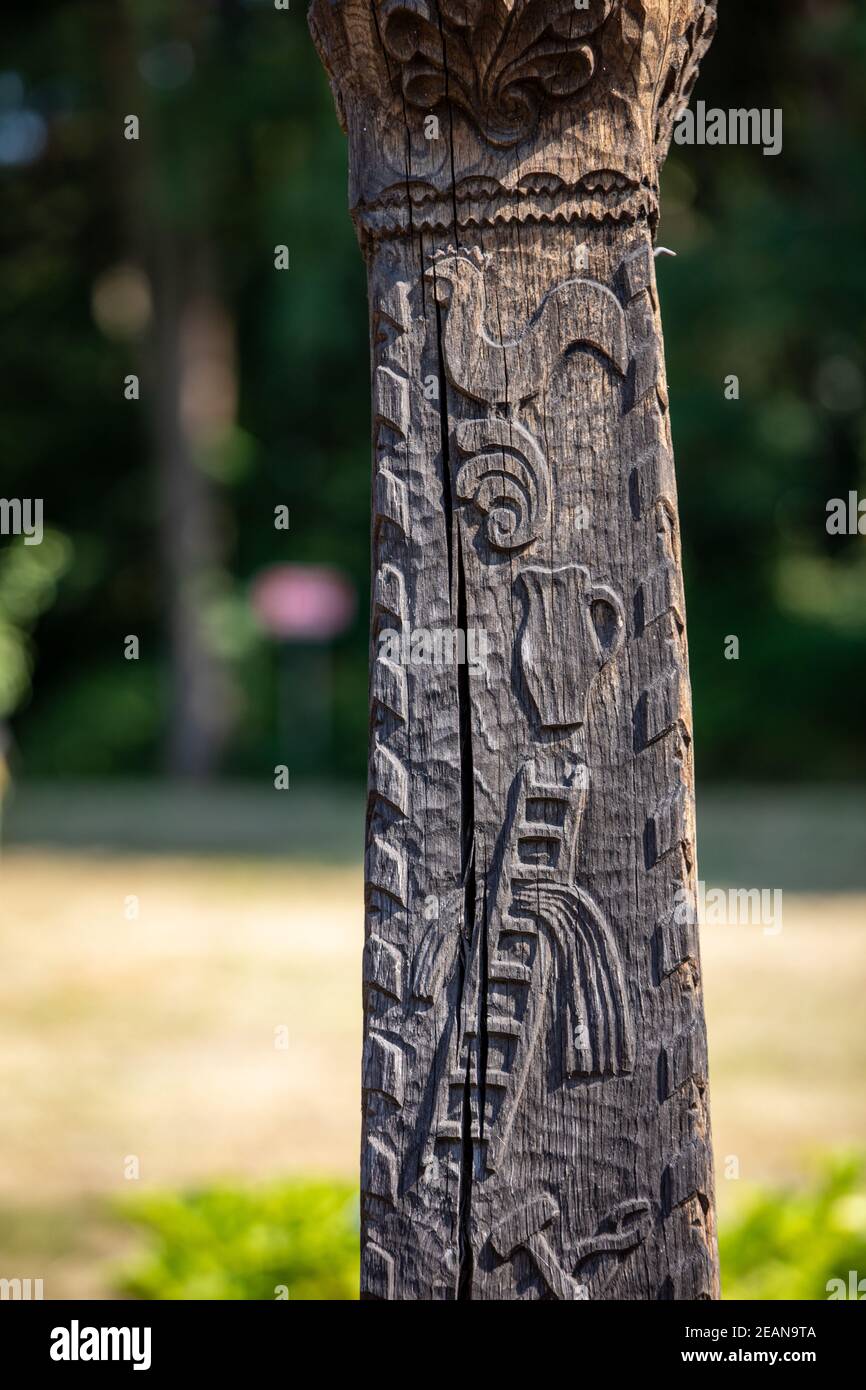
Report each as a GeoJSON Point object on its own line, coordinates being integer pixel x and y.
{"type": "Point", "coordinates": [534, 1079]}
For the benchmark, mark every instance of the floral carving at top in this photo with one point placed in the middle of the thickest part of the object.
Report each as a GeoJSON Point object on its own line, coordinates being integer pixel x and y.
{"type": "Point", "coordinates": [497, 61]}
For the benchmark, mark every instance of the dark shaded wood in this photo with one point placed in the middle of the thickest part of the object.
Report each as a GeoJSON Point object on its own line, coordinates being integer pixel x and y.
{"type": "Point", "coordinates": [535, 1097]}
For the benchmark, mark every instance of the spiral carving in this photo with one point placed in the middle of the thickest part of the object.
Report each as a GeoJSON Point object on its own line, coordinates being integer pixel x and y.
{"type": "Point", "coordinates": [505, 475]}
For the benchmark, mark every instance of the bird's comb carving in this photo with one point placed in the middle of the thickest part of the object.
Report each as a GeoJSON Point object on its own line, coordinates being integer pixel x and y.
{"type": "Point", "coordinates": [482, 260]}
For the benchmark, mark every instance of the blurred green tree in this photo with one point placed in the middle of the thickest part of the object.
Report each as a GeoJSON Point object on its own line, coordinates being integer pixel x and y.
{"type": "Point", "coordinates": [156, 258]}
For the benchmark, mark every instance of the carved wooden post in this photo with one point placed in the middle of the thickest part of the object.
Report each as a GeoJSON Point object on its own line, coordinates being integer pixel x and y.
{"type": "Point", "coordinates": [535, 1096]}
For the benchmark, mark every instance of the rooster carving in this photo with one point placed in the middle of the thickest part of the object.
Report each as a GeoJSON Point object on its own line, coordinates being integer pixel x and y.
{"type": "Point", "coordinates": [506, 375]}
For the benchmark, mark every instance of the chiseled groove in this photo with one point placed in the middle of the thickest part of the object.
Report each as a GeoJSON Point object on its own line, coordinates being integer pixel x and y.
{"type": "Point", "coordinates": [467, 857]}
{"type": "Point", "coordinates": [467, 837]}
{"type": "Point", "coordinates": [447, 500]}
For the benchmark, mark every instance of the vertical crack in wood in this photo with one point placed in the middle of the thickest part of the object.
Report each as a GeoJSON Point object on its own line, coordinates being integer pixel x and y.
{"type": "Point", "coordinates": [470, 944]}
{"type": "Point", "coordinates": [450, 109]}
{"type": "Point", "coordinates": [467, 974]}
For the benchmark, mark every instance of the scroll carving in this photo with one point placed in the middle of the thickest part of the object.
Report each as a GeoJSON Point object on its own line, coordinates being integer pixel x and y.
{"type": "Point", "coordinates": [582, 99]}
{"type": "Point", "coordinates": [496, 62]}
{"type": "Point", "coordinates": [506, 476]}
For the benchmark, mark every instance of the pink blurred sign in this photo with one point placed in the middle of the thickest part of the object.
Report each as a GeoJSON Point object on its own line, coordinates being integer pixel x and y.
{"type": "Point", "coordinates": [311, 603]}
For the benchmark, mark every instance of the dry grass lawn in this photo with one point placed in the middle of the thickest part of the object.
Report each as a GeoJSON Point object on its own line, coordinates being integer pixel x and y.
{"type": "Point", "coordinates": [157, 1037]}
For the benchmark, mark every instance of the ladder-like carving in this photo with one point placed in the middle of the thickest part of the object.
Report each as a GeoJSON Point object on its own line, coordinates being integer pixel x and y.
{"type": "Point", "coordinates": [545, 929]}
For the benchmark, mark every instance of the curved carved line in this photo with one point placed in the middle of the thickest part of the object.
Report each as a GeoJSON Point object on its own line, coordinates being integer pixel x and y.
{"type": "Point", "coordinates": [378, 1171]}
{"type": "Point", "coordinates": [389, 687]}
{"type": "Point", "coordinates": [377, 1273]}
{"type": "Point", "coordinates": [598, 1039]}
{"type": "Point", "coordinates": [386, 871]}
{"type": "Point", "coordinates": [526, 1228]}
{"type": "Point", "coordinates": [495, 371]}
{"type": "Point", "coordinates": [474, 188]}
{"type": "Point", "coordinates": [500, 72]}
{"type": "Point", "coordinates": [559, 617]}
{"type": "Point", "coordinates": [383, 1068]}
{"type": "Point", "coordinates": [391, 500]}
{"type": "Point", "coordinates": [391, 400]}
{"type": "Point", "coordinates": [383, 966]}
{"type": "Point", "coordinates": [389, 779]}
{"type": "Point", "coordinates": [389, 592]}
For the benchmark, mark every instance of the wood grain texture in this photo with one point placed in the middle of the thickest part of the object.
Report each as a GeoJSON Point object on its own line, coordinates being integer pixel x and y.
{"type": "Point", "coordinates": [534, 1079]}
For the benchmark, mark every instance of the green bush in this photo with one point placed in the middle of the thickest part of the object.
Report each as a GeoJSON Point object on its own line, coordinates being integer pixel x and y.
{"type": "Point", "coordinates": [791, 1243]}
{"type": "Point", "coordinates": [227, 1243]}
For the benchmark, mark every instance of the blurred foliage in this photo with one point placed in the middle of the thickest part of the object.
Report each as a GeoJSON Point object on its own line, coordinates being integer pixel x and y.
{"type": "Point", "coordinates": [789, 1244]}
{"type": "Point", "coordinates": [241, 151]}
{"type": "Point", "coordinates": [28, 584]}
{"type": "Point", "coordinates": [227, 1243]}
{"type": "Point", "coordinates": [245, 1244]}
